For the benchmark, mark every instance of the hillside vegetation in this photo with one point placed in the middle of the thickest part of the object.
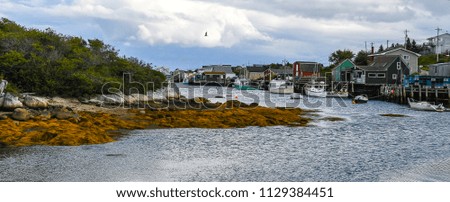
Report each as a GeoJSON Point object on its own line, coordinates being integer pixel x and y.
{"type": "Point", "coordinates": [47, 63]}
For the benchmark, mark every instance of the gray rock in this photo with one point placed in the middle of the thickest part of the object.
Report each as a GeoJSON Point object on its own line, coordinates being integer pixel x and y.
{"type": "Point", "coordinates": [11, 102]}
{"type": "Point", "coordinates": [2, 99]}
{"type": "Point", "coordinates": [35, 102]}
{"type": "Point", "coordinates": [111, 99]}
{"type": "Point", "coordinates": [21, 114]}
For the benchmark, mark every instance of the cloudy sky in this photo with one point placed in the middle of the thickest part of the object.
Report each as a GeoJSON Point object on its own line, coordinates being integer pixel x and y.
{"type": "Point", "coordinates": [172, 32]}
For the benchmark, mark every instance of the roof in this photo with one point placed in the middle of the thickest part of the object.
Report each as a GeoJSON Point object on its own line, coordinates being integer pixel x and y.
{"type": "Point", "coordinates": [343, 62]}
{"type": "Point", "coordinates": [445, 34]}
{"type": "Point", "coordinates": [219, 68]}
{"type": "Point", "coordinates": [446, 65]}
{"type": "Point", "coordinates": [396, 49]}
{"type": "Point", "coordinates": [256, 69]}
{"type": "Point", "coordinates": [381, 63]}
{"type": "Point", "coordinates": [214, 73]}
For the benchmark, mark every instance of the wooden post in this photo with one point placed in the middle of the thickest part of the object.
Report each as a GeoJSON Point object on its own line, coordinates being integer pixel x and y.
{"type": "Point", "coordinates": [412, 92]}
{"type": "Point", "coordinates": [426, 93]}
{"type": "Point", "coordinates": [448, 97]}
{"type": "Point", "coordinates": [437, 95]}
{"type": "Point", "coordinates": [404, 95]}
{"type": "Point", "coordinates": [420, 93]}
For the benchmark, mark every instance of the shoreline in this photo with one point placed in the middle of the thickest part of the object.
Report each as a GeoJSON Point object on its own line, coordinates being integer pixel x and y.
{"type": "Point", "coordinates": [83, 124]}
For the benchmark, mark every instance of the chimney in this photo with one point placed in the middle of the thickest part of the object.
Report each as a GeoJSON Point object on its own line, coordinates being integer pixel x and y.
{"type": "Point", "coordinates": [372, 57]}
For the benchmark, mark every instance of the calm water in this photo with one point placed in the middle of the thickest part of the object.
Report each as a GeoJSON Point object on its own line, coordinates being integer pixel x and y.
{"type": "Point", "coordinates": [364, 147]}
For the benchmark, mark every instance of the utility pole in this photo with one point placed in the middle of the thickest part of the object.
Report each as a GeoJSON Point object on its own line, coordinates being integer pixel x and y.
{"type": "Point", "coordinates": [437, 43]}
{"type": "Point", "coordinates": [387, 44]}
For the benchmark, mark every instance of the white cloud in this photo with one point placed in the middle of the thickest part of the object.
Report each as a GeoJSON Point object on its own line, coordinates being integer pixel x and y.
{"type": "Point", "coordinates": [290, 28]}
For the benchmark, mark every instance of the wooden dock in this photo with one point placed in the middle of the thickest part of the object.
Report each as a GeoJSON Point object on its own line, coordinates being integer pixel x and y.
{"type": "Point", "coordinates": [400, 93]}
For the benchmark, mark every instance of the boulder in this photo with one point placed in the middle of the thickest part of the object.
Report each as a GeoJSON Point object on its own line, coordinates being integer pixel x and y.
{"type": "Point", "coordinates": [2, 99]}
{"type": "Point", "coordinates": [35, 102]}
{"type": "Point", "coordinates": [11, 102]}
{"type": "Point", "coordinates": [21, 114]}
{"type": "Point", "coordinates": [62, 115]}
{"type": "Point", "coordinates": [111, 99]}
{"type": "Point", "coordinates": [136, 98]}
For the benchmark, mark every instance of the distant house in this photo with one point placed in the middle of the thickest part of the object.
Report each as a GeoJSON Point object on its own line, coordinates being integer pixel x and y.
{"type": "Point", "coordinates": [179, 75]}
{"type": "Point", "coordinates": [342, 72]}
{"type": "Point", "coordinates": [444, 43]}
{"type": "Point", "coordinates": [410, 58]}
{"type": "Point", "coordinates": [306, 69]}
{"type": "Point", "coordinates": [255, 72]}
{"type": "Point", "coordinates": [387, 69]}
{"type": "Point", "coordinates": [283, 72]}
{"type": "Point", "coordinates": [441, 69]}
{"type": "Point", "coordinates": [226, 69]}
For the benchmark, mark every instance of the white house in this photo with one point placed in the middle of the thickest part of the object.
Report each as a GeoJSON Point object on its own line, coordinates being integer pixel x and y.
{"type": "Point", "coordinates": [444, 43]}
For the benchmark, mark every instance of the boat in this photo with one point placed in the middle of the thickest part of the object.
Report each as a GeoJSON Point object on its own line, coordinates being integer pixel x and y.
{"type": "Point", "coordinates": [316, 89]}
{"type": "Point", "coordinates": [341, 93]}
{"type": "Point", "coordinates": [281, 87]}
{"type": "Point", "coordinates": [425, 106]}
{"type": "Point", "coordinates": [359, 99]}
{"type": "Point", "coordinates": [338, 94]}
{"type": "Point", "coordinates": [296, 96]}
{"type": "Point", "coordinates": [242, 84]}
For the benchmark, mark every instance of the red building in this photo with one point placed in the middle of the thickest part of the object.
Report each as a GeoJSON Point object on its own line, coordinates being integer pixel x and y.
{"type": "Point", "coordinates": [306, 69]}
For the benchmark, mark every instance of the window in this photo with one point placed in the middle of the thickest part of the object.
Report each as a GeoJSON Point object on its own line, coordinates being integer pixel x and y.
{"type": "Point", "coordinates": [394, 76]}
{"type": "Point", "coordinates": [406, 57]}
{"type": "Point", "coordinates": [372, 75]}
{"type": "Point", "coordinates": [382, 75]}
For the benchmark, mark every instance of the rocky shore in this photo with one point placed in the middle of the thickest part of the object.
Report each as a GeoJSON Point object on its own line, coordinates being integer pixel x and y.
{"type": "Point", "coordinates": [70, 122]}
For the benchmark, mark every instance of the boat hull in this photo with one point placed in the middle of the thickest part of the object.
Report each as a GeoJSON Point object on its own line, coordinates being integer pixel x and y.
{"type": "Point", "coordinates": [316, 94]}
{"type": "Point", "coordinates": [288, 90]}
{"type": "Point", "coordinates": [360, 99]}
{"type": "Point", "coordinates": [425, 106]}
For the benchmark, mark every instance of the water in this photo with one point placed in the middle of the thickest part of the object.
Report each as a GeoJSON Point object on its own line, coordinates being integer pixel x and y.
{"type": "Point", "coordinates": [364, 147]}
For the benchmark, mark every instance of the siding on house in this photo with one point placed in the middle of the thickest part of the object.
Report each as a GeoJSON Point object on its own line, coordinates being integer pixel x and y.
{"type": "Point", "coordinates": [411, 59]}
{"type": "Point", "coordinates": [384, 70]}
{"type": "Point", "coordinates": [339, 72]}
{"type": "Point", "coordinates": [442, 69]}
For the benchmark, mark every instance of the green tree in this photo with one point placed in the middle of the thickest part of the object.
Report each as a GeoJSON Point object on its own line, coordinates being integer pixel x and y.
{"type": "Point", "coordinates": [362, 58]}
{"type": "Point", "coordinates": [380, 49]}
{"type": "Point", "coordinates": [340, 55]}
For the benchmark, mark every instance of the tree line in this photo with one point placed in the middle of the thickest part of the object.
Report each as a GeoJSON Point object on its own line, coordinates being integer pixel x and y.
{"type": "Point", "coordinates": [47, 63]}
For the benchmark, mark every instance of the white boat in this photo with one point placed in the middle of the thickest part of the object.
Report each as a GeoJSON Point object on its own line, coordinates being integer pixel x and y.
{"type": "Point", "coordinates": [316, 89]}
{"type": "Point", "coordinates": [281, 87]}
{"type": "Point", "coordinates": [296, 96]}
{"type": "Point", "coordinates": [425, 106]}
{"type": "Point", "coordinates": [359, 99]}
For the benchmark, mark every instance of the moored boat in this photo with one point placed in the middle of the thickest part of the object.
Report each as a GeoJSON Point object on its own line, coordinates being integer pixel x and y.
{"type": "Point", "coordinates": [281, 87]}
{"type": "Point", "coordinates": [242, 84]}
{"type": "Point", "coordinates": [360, 99]}
{"type": "Point", "coordinates": [316, 89]}
{"type": "Point", "coordinates": [425, 106]}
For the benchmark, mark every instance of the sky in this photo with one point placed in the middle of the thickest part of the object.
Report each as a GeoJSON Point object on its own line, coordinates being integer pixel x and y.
{"type": "Point", "coordinates": [171, 33]}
